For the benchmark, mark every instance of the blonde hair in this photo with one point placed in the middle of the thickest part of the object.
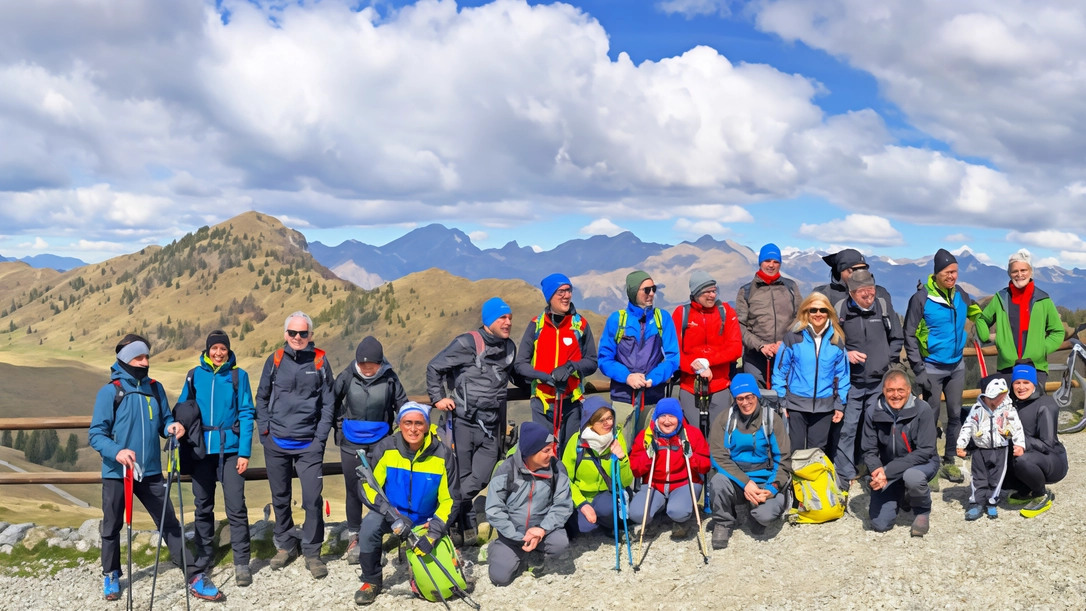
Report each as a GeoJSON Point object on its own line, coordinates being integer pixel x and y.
{"type": "Point", "coordinates": [803, 317]}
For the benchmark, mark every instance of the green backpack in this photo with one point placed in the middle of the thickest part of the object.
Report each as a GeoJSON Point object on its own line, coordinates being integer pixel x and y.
{"type": "Point", "coordinates": [427, 578]}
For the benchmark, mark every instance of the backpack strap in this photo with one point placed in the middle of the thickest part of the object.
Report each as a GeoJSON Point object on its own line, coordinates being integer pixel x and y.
{"type": "Point", "coordinates": [596, 461]}
{"type": "Point", "coordinates": [480, 348]}
{"type": "Point", "coordinates": [118, 396]}
{"type": "Point", "coordinates": [686, 323]}
{"type": "Point", "coordinates": [621, 325]}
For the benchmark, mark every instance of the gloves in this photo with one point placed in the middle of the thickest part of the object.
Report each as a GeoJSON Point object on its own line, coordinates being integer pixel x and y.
{"type": "Point", "coordinates": [543, 377]}
{"type": "Point", "coordinates": [687, 450]}
{"type": "Point", "coordinates": [561, 374]}
{"type": "Point", "coordinates": [424, 545]}
{"type": "Point", "coordinates": [436, 530]}
{"type": "Point", "coordinates": [650, 449]}
{"type": "Point", "coordinates": [699, 365]}
{"type": "Point", "coordinates": [924, 384]}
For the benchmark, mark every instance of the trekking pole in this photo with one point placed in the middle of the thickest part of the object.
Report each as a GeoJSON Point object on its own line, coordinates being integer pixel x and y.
{"type": "Point", "coordinates": [645, 517]}
{"type": "Point", "coordinates": [701, 401]}
{"type": "Point", "coordinates": [614, 508]}
{"type": "Point", "coordinates": [128, 474]}
{"type": "Point", "coordinates": [184, 549]}
{"type": "Point", "coordinates": [558, 422]}
{"type": "Point", "coordinates": [697, 514]}
{"type": "Point", "coordinates": [625, 509]}
{"type": "Point", "coordinates": [171, 451]}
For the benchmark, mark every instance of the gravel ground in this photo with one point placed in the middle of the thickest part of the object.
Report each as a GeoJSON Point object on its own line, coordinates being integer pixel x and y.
{"type": "Point", "coordinates": [1009, 563]}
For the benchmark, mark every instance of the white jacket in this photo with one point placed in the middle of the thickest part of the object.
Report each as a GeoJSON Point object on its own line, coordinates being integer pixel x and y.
{"type": "Point", "coordinates": [991, 428]}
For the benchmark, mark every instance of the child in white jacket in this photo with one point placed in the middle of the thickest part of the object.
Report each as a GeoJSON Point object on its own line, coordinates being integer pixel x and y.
{"type": "Point", "coordinates": [991, 422]}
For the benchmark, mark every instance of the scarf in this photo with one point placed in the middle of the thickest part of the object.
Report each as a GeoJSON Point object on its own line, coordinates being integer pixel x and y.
{"type": "Point", "coordinates": [1021, 298]}
{"type": "Point", "coordinates": [768, 279]}
{"type": "Point", "coordinates": [596, 442]}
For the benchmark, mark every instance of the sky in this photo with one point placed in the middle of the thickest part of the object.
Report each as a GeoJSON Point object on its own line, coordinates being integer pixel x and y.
{"type": "Point", "coordinates": [895, 127]}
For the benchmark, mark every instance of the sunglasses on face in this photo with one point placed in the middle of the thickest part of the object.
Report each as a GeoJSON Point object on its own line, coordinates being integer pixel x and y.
{"type": "Point", "coordinates": [818, 311]}
{"type": "Point", "coordinates": [859, 268]}
{"type": "Point", "coordinates": [301, 334]}
{"type": "Point", "coordinates": [564, 292]}
{"type": "Point", "coordinates": [648, 290]}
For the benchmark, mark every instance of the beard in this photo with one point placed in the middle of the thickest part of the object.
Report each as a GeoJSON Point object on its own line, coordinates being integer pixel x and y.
{"type": "Point", "coordinates": [1021, 285]}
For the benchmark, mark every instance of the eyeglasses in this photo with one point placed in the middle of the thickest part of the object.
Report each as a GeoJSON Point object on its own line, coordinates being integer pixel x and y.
{"type": "Point", "coordinates": [301, 334]}
{"type": "Point", "coordinates": [564, 292]}
{"type": "Point", "coordinates": [818, 311]}
{"type": "Point", "coordinates": [648, 290]}
{"type": "Point", "coordinates": [746, 398]}
{"type": "Point", "coordinates": [412, 424]}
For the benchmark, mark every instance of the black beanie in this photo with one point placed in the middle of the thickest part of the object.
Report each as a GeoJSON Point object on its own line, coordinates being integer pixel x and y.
{"type": "Point", "coordinates": [943, 259]}
{"type": "Point", "coordinates": [218, 336]}
{"type": "Point", "coordinates": [369, 351]}
{"type": "Point", "coordinates": [842, 260]}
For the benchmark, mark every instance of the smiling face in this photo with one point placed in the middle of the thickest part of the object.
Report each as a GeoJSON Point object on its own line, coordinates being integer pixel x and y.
{"type": "Point", "coordinates": [864, 296]}
{"type": "Point", "coordinates": [896, 390]}
{"type": "Point", "coordinates": [708, 298]}
{"type": "Point", "coordinates": [747, 403]}
{"type": "Point", "coordinates": [646, 293]}
{"type": "Point", "coordinates": [413, 428]}
{"type": "Point", "coordinates": [297, 333]}
{"type": "Point", "coordinates": [667, 424]}
{"type": "Point", "coordinates": [561, 299]}
{"type": "Point", "coordinates": [770, 267]}
{"type": "Point", "coordinates": [603, 422]}
{"type": "Point", "coordinates": [1023, 389]}
{"type": "Point", "coordinates": [502, 326]}
{"type": "Point", "coordinates": [1021, 273]}
{"type": "Point", "coordinates": [948, 277]}
{"type": "Point", "coordinates": [218, 354]}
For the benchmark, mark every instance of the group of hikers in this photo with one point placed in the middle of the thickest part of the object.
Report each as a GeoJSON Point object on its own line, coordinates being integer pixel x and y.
{"type": "Point", "coordinates": [766, 388]}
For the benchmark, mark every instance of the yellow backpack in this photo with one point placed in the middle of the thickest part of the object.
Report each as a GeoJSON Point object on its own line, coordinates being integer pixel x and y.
{"type": "Point", "coordinates": [814, 481]}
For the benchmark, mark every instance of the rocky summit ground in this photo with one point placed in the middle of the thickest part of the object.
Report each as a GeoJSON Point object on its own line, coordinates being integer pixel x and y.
{"type": "Point", "coordinates": [1008, 563]}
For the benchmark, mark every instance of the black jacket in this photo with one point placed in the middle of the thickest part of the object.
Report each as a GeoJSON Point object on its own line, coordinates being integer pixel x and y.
{"type": "Point", "coordinates": [1039, 415]}
{"type": "Point", "coordinates": [192, 446]}
{"type": "Point", "coordinates": [478, 391]}
{"type": "Point", "coordinates": [897, 442]}
{"type": "Point", "coordinates": [372, 400]}
{"type": "Point", "coordinates": [876, 333]}
{"type": "Point", "coordinates": [300, 403]}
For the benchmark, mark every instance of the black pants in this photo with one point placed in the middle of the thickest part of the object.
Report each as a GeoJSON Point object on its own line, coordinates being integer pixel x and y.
{"type": "Point", "coordinates": [204, 475]}
{"type": "Point", "coordinates": [476, 456]}
{"type": "Point", "coordinates": [1032, 471]}
{"type": "Point", "coordinates": [951, 384]}
{"type": "Point", "coordinates": [807, 430]}
{"type": "Point", "coordinates": [571, 419]}
{"type": "Point", "coordinates": [755, 363]}
{"type": "Point", "coordinates": [353, 485]}
{"type": "Point", "coordinates": [151, 493]}
{"type": "Point", "coordinates": [282, 465]}
{"type": "Point", "coordinates": [988, 470]}
{"type": "Point", "coordinates": [374, 527]}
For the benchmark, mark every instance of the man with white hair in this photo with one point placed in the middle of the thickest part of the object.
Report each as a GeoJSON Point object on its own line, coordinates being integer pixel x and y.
{"type": "Point", "coordinates": [294, 412]}
{"type": "Point", "coordinates": [1024, 320]}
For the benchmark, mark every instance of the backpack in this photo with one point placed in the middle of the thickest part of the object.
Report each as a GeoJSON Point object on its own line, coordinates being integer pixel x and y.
{"type": "Point", "coordinates": [814, 482]}
{"type": "Point", "coordinates": [577, 325]}
{"type": "Point", "coordinates": [686, 319]}
{"type": "Point", "coordinates": [621, 332]}
{"type": "Point", "coordinates": [318, 363]}
{"type": "Point", "coordinates": [428, 580]}
{"type": "Point", "coordinates": [842, 308]}
{"type": "Point", "coordinates": [156, 390]}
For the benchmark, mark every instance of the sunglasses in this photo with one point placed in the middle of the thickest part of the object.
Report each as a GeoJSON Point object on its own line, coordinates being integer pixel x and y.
{"type": "Point", "coordinates": [859, 268]}
{"type": "Point", "coordinates": [648, 290]}
{"type": "Point", "coordinates": [564, 292]}
{"type": "Point", "coordinates": [818, 311]}
{"type": "Point", "coordinates": [301, 334]}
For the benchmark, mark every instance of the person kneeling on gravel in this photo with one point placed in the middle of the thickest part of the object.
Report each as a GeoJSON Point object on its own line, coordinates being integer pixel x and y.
{"type": "Point", "coordinates": [991, 423]}
{"type": "Point", "coordinates": [414, 469]}
{"type": "Point", "coordinates": [898, 446]}
{"type": "Point", "coordinates": [751, 453]}
{"type": "Point", "coordinates": [528, 503]}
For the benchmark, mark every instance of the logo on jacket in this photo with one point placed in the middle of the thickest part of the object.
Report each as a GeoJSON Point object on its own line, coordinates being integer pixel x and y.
{"type": "Point", "coordinates": [567, 340]}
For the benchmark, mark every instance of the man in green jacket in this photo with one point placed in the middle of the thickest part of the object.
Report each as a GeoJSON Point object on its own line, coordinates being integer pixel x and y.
{"type": "Point", "coordinates": [1026, 323]}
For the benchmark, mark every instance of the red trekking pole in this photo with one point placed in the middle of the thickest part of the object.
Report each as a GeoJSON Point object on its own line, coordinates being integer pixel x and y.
{"type": "Point", "coordinates": [128, 479]}
{"type": "Point", "coordinates": [557, 421]}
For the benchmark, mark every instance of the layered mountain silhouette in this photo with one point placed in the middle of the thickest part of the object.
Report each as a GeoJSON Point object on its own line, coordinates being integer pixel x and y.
{"type": "Point", "coordinates": [47, 261]}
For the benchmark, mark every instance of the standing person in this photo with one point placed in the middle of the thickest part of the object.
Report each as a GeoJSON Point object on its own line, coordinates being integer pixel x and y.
{"type": "Point", "coordinates": [367, 394]}
{"type": "Point", "coordinates": [294, 409]}
{"type": "Point", "coordinates": [415, 471]}
{"type": "Point", "coordinates": [475, 369]}
{"type": "Point", "coordinates": [873, 340]}
{"type": "Point", "coordinates": [899, 450]}
{"type": "Point", "coordinates": [765, 307]}
{"type": "Point", "coordinates": [1045, 459]}
{"type": "Point", "coordinates": [557, 351]}
{"type": "Point", "coordinates": [528, 504]}
{"type": "Point", "coordinates": [639, 352]}
{"type": "Point", "coordinates": [131, 414]}
{"type": "Point", "coordinates": [992, 425]}
{"type": "Point", "coordinates": [221, 390]}
{"type": "Point", "coordinates": [812, 374]}
{"type": "Point", "coordinates": [1027, 324]}
{"type": "Point", "coordinates": [710, 342]}
{"type": "Point", "coordinates": [752, 456]}
{"type": "Point", "coordinates": [587, 459]}
{"type": "Point", "coordinates": [934, 344]}
{"type": "Point", "coordinates": [671, 442]}
{"type": "Point", "coordinates": [842, 265]}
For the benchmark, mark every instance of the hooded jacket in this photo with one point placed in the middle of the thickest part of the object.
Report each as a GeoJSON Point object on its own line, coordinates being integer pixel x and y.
{"type": "Point", "coordinates": [896, 441]}
{"type": "Point", "coordinates": [839, 261]}
{"type": "Point", "coordinates": [877, 334]}
{"type": "Point", "coordinates": [417, 483]}
{"type": "Point", "coordinates": [744, 454]}
{"type": "Point", "coordinates": [591, 474]}
{"type": "Point", "coordinates": [518, 499]}
{"type": "Point", "coordinates": [991, 428]}
{"type": "Point", "coordinates": [562, 343]}
{"type": "Point", "coordinates": [299, 405]}
{"type": "Point", "coordinates": [642, 348]}
{"type": "Point", "coordinates": [220, 408]}
{"type": "Point", "coordinates": [809, 377]}
{"type": "Point", "coordinates": [670, 470]}
{"type": "Point", "coordinates": [935, 325]}
{"type": "Point", "coordinates": [708, 337]}
{"type": "Point", "coordinates": [478, 392]}
{"type": "Point", "coordinates": [1039, 415]}
{"type": "Point", "coordinates": [365, 409]}
{"type": "Point", "coordinates": [1043, 337]}
{"type": "Point", "coordinates": [141, 419]}
{"type": "Point", "coordinates": [769, 311]}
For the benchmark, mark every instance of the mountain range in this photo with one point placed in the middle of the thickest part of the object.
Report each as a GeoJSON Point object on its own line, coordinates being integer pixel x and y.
{"type": "Point", "coordinates": [48, 261]}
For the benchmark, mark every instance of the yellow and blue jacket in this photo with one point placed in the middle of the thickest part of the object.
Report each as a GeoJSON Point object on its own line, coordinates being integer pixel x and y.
{"type": "Point", "coordinates": [417, 483]}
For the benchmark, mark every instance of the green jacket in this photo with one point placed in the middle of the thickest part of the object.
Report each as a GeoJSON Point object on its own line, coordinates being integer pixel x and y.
{"type": "Point", "coordinates": [1044, 336]}
{"type": "Point", "coordinates": [586, 481]}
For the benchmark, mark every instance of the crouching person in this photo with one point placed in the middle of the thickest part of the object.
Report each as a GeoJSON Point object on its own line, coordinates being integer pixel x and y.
{"type": "Point", "coordinates": [413, 469]}
{"type": "Point", "coordinates": [751, 453]}
{"type": "Point", "coordinates": [527, 503]}
{"type": "Point", "coordinates": [899, 449]}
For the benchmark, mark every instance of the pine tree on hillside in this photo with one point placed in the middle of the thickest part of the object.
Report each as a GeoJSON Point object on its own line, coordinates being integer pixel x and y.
{"type": "Point", "coordinates": [20, 441]}
{"type": "Point", "coordinates": [6, 440]}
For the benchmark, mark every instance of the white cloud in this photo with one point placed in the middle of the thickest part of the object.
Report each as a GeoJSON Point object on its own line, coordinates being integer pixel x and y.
{"type": "Point", "coordinates": [1073, 258]}
{"type": "Point", "coordinates": [95, 246]}
{"type": "Point", "coordinates": [1047, 262]}
{"type": "Point", "coordinates": [37, 244]}
{"type": "Point", "coordinates": [1049, 239]}
{"type": "Point", "coordinates": [700, 228]}
{"type": "Point", "coordinates": [860, 228]}
{"type": "Point", "coordinates": [694, 8]}
{"type": "Point", "coordinates": [479, 236]}
{"type": "Point", "coordinates": [958, 237]}
{"type": "Point", "coordinates": [601, 227]}
{"type": "Point", "coordinates": [715, 212]}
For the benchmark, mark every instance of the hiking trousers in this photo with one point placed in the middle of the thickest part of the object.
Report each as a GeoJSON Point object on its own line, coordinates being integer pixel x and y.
{"type": "Point", "coordinates": [476, 457]}
{"type": "Point", "coordinates": [506, 557]}
{"type": "Point", "coordinates": [680, 507]}
{"type": "Point", "coordinates": [353, 485]}
{"type": "Point", "coordinates": [281, 466]}
{"type": "Point", "coordinates": [988, 469]}
{"type": "Point", "coordinates": [809, 430]}
{"type": "Point", "coordinates": [151, 493]}
{"type": "Point", "coordinates": [949, 382]}
{"type": "Point", "coordinates": [727, 495]}
{"type": "Point", "coordinates": [571, 419]}
{"type": "Point", "coordinates": [205, 473]}
{"type": "Point", "coordinates": [913, 485]}
{"type": "Point", "coordinates": [374, 527]}
{"type": "Point", "coordinates": [1032, 471]}
{"type": "Point", "coordinates": [756, 364]}
{"type": "Point", "coordinates": [602, 503]}
{"type": "Point", "coordinates": [845, 435]}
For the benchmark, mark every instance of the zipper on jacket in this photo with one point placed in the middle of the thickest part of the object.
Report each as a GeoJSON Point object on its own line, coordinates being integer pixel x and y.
{"type": "Point", "coordinates": [817, 347]}
{"type": "Point", "coordinates": [207, 444]}
{"type": "Point", "coordinates": [531, 491]}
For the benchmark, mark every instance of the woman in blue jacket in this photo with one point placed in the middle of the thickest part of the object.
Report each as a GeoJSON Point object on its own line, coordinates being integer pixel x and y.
{"type": "Point", "coordinates": [811, 374]}
{"type": "Point", "coordinates": [224, 396]}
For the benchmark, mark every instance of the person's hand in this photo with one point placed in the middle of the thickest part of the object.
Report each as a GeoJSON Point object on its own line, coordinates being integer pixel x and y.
{"type": "Point", "coordinates": [445, 405]}
{"type": "Point", "coordinates": [650, 450]}
{"type": "Point", "coordinates": [562, 373]}
{"type": "Point", "coordinates": [688, 451]}
{"type": "Point", "coordinates": [878, 479]}
{"type": "Point", "coordinates": [176, 429]}
{"type": "Point", "coordinates": [856, 357]}
{"type": "Point", "coordinates": [616, 450]}
{"type": "Point", "coordinates": [706, 373]}
{"type": "Point", "coordinates": [424, 546]}
{"type": "Point", "coordinates": [126, 458]}
{"type": "Point", "coordinates": [1019, 450]}
{"type": "Point", "coordinates": [752, 492]}
{"type": "Point", "coordinates": [923, 383]}
{"type": "Point", "coordinates": [768, 350]}
{"type": "Point", "coordinates": [532, 538]}
{"type": "Point", "coordinates": [635, 380]}
{"type": "Point", "coordinates": [961, 452]}
{"type": "Point", "coordinates": [838, 415]}
{"type": "Point", "coordinates": [588, 513]}
{"type": "Point", "coordinates": [243, 464]}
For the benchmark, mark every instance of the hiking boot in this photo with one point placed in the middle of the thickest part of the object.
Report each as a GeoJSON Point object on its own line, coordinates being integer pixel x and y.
{"type": "Point", "coordinates": [992, 512]}
{"type": "Point", "coordinates": [1038, 506]}
{"type": "Point", "coordinates": [201, 587]}
{"type": "Point", "coordinates": [457, 538]}
{"type": "Point", "coordinates": [471, 537]}
{"type": "Point", "coordinates": [756, 528]}
{"type": "Point", "coordinates": [352, 550]}
{"type": "Point", "coordinates": [680, 530]}
{"type": "Point", "coordinates": [316, 567]}
{"type": "Point", "coordinates": [1024, 498]}
{"type": "Point", "coordinates": [721, 536]}
{"type": "Point", "coordinates": [535, 563]}
{"type": "Point", "coordinates": [973, 513]}
{"type": "Point", "coordinates": [367, 593]}
{"type": "Point", "coordinates": [243, 575]}
{"type": "Point", "coordinates": [920, 525]}
{"type": "Point", "coordinates": [282, 558]}
{"type": "Point", "coordinates": [111, 586]}
{"type": "Point", "coordinates": [952, 473]}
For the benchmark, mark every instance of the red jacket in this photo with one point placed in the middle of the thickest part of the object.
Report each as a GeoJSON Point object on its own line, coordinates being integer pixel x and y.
{"type": "Point", "coordinates": [703, 340]}
{"type": "Point", "coordinates": [670, 464]}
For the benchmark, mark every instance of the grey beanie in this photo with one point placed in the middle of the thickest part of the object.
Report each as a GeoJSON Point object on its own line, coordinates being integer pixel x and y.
{"type": "Point", "coordinates": [700, 282]}
{"type": "Point", "coordinates": [860, 279]}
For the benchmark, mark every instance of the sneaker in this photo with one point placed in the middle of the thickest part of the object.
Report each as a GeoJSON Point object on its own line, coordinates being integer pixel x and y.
{"type": "Point", "coordinates": [111, 586]}
{"type": "Point", "coordinates": [1018, 498]}
{"type": "Point", "coordinates": [243, 575]}
{"type": "Point", "coordinates": [721, 536]}
{"type": "Point", "coordinates": [1038, 506]}
{"type": "Point", "coordinates": [756, 528]}
{"type": "Point", "coordinates": [367, 593]}
{"type": "Point", "coordinates": [680, 530]}
{"type": "Point", "coordinates": [316, 567]}
{"type": "Point", "coordinates": [992, 512]}
{"type": "Point", "coordinates": [201, 587]}
{"type": "Point", "coordinates": [952, 473]}
{"type": "Point", "coordinates": [973, 513]}
{"type": "Point", "coordinates": [352, 550]}
{"type": "Point", "coordinates": [920, 525]}
{"type": "Point", "coordinates": [282, 558]}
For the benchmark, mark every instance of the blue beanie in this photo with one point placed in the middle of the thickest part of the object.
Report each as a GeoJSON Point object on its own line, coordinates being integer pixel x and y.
{"type": "Point", "coordinates": [669, 406]}
{"type": "Point", "coordinates": [493, 309]}
{"type": "Point", "coordinates": [533, 438]}
{"type": "Point", "coordinates": [769, 252]}
{"type": "Point", "coordinates": [552, 283]}
{"type": "Point", "coordinates": [1024, 372]}
{"type": "Point", "coordinates": [412, 406]}
{"type": "Point", "coordinates": [743, 383]}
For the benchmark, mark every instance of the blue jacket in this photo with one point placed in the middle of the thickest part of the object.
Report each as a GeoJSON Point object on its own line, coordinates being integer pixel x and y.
{"type": "Point", "coordinates": [809, 380]}
{"type": "Point", "coordinates": [218, 407]}
{"type": "Point", "coordinates": [652, 351]}
{"type": "Point", "coordinates": [140, 421]}
{"type": "Point", "coordinates": [935, 325]}
{"type": "Point", "coordinates": [744, 452]}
